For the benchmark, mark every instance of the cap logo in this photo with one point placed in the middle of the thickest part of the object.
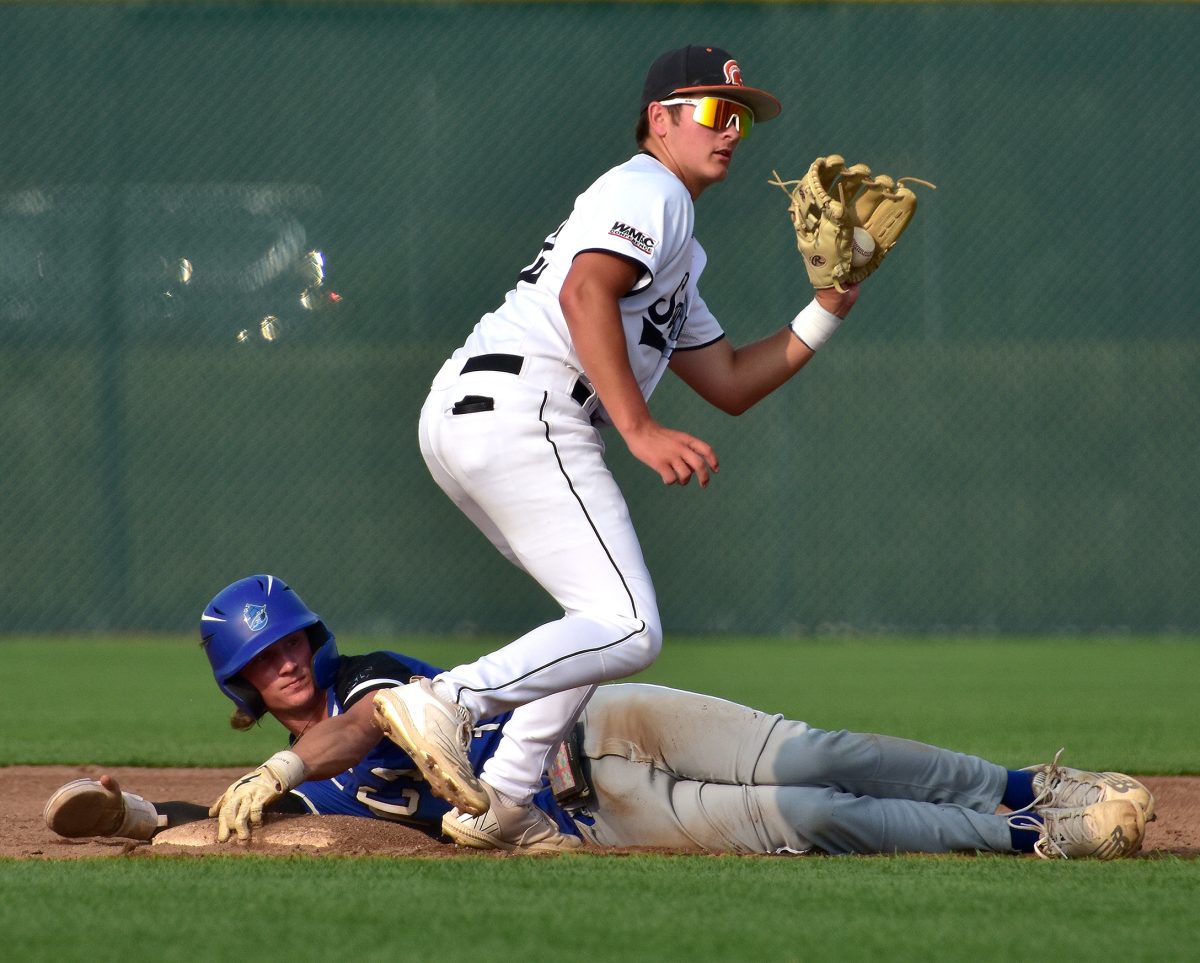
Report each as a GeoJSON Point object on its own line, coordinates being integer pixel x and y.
{"type": "Point", "coordinates": [255, 616]}
{"type": "Point", "coordinates": [733, 73]}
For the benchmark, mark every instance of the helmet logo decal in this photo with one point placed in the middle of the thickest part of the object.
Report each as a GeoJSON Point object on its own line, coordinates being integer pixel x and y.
{"type": "Point", "coordinates": [255, 616]}
{"type": "Point", "coordinates": [733, 73]}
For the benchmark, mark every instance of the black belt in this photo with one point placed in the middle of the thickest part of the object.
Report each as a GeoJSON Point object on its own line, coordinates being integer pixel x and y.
{"type": "Point", "coordinates": [511, 364]}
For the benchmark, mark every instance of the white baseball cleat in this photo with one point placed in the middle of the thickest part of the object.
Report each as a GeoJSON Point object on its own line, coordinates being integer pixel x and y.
{"type": "Point", "coordinates": [98, 807]}
{"type": "Point", "coordinates": [437, 735]}
{"type": "Point", "coordinates": [1058, 787]}
{"type": "Point", "coordinates": [508, 826]}
{"type": "Point", "coordinates": [1103, 830]}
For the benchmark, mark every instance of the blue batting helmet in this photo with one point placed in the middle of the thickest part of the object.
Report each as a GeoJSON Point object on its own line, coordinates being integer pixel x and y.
{"type": "Point", "coordinates": [245, 618]}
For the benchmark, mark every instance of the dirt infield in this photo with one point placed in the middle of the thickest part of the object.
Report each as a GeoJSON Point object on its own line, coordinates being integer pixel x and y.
{"type": "Point", "coordinates": [23, 834]}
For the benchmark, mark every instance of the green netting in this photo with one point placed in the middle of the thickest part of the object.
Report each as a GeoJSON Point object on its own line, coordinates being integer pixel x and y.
{"type": "Point", "coordinates": [1005, 436]}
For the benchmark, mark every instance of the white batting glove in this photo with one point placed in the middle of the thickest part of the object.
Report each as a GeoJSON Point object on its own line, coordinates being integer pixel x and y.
{"type": "Point", "coordinates": [241, 805]}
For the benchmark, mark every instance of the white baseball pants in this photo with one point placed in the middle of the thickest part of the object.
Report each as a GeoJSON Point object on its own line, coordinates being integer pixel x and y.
{"type": "Point", "coordinates": [529, 471]}
{"type": "Point", "coordinates": [691, 772]}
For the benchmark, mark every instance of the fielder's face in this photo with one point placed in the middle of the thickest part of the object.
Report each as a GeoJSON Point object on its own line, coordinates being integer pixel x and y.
{"type": "Point", "coordinates": [282, 673]}
{"type": "Point", "coordinates": [701, 154]}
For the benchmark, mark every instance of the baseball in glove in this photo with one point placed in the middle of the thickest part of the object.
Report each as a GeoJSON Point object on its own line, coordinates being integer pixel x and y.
{"type": "Point", "coordinates": [830, 201]}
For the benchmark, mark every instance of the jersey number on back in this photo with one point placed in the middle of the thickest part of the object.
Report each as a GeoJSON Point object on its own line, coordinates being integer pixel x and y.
{"type": "Point", "coordinates": [532, 272]}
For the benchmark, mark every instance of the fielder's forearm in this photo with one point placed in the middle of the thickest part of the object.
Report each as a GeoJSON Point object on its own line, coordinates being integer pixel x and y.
{"type": "Point", "coordinates": [736, 379]}
{"type": "Point", "coordinates": [755, 370]}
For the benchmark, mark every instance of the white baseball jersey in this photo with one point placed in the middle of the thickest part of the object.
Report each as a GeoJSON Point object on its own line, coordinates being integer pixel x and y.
{"type": "Point", "coordinates": [639, 211]}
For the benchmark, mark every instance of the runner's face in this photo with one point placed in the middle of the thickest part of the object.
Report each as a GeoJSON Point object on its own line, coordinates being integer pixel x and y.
{"type": "Point", "coordinates": [282, 673]}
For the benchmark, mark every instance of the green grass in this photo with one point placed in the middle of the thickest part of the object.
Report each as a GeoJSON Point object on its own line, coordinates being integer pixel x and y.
{"type": "Point", "coordinates": [1124, 703]}
{"type": "Point", "coordinates": [1120, 703]}
{"type": "Point", "coordinates": [600, 908]}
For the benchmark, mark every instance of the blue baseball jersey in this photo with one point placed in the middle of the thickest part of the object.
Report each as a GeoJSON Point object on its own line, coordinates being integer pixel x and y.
{"type": "Point", "coordinates": [386, 784]}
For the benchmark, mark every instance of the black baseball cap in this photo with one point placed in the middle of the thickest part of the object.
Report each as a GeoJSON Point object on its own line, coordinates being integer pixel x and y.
{"type": "Point", "coordinates": [705, 71]}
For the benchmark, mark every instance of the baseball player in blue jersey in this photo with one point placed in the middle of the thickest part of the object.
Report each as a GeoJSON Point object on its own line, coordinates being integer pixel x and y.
{"type": "Point", "coordinates": [511, 432]}
{"type": "Point", "coordinates": [644, 766]}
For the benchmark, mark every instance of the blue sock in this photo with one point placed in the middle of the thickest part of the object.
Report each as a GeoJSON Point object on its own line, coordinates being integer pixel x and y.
{"type": "Point", "coordinates": [1018, 793]}
{"type": "Point", "coordinates": [1023, 839]}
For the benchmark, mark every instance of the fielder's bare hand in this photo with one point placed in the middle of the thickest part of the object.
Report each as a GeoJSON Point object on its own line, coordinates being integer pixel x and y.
{"type": "Point", "coordinates": [675, 455]}
{"type": "Point", "coordinates": [241, 805]}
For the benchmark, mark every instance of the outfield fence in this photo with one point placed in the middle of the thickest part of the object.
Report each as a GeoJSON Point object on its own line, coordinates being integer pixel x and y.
{"type": "Point", "coordinates": [236, 242]}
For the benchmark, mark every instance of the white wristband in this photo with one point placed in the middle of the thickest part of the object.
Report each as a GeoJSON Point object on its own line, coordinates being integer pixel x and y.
{"type": "Point", "coordinates": [287, 768]}
{"type": "Point", "coordinates": [814, 325]}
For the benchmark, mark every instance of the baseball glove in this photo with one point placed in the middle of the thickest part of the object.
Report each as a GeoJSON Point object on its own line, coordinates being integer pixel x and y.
{"type": "Point", "coordinates": [830, 201]}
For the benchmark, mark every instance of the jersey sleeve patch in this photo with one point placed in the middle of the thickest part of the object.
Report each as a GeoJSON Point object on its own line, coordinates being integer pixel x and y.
{"type": "Point", "coordinates": [638, 238]}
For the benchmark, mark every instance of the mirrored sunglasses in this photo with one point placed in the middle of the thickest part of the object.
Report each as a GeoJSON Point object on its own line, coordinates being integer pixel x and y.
{"type": "Point", "coordinates": [717, 114]}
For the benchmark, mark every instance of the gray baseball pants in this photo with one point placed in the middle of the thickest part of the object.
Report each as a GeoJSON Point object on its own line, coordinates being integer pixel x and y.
{"type": "Point", "coordinates": [692, 772]}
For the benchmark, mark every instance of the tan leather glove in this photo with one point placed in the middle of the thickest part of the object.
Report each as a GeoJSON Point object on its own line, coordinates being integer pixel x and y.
{"type": "Point", "coordinates": [830, 201]}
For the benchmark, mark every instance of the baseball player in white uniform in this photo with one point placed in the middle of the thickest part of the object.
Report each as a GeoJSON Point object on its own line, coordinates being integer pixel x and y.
{"type": "Point", "coordinates": [511, 432]}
